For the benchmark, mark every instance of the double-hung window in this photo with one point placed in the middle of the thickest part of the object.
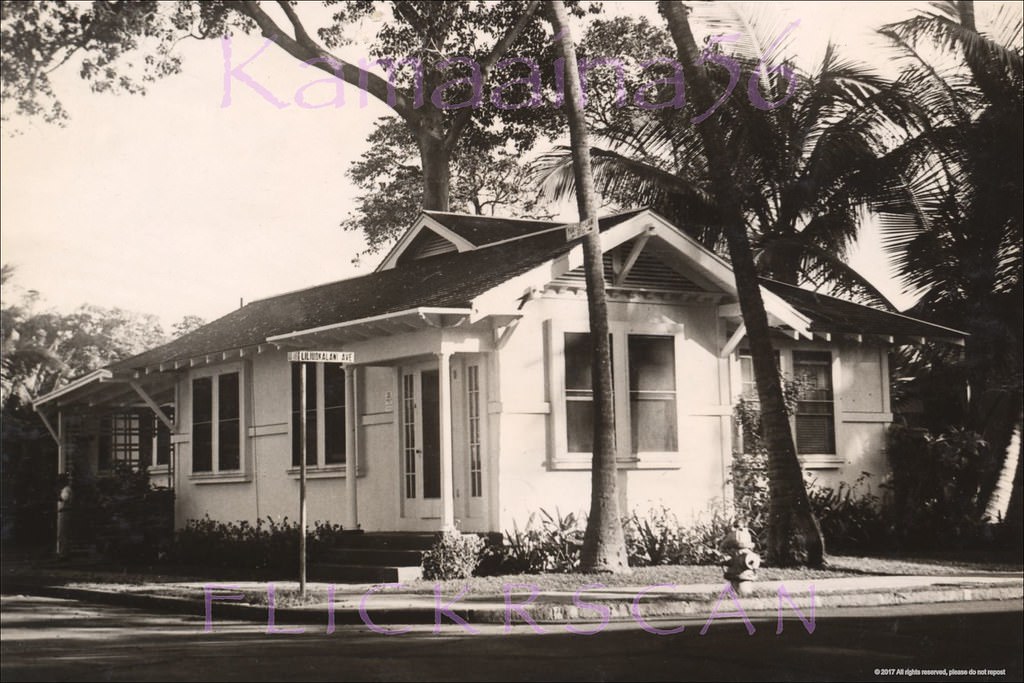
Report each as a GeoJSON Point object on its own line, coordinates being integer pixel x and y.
{"type": "Point", "coordinates": [652, 394]}
{"type": "Point", "coordinates": [325, 414]}
{"type": "Point", "coordinates": [643, 390]}
{"type": "Point", "coordinates": [217, 425]}
{"type": "Point", "coordinates": [579, 392]}
{"type": "Point", "coordinates": [815, 407]}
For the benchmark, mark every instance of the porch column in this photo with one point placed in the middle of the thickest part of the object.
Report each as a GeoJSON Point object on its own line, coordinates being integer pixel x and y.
{"type": "Point", "coordinates": [351, 457]}
{"type": "Point", "coordinates": [444, 376]}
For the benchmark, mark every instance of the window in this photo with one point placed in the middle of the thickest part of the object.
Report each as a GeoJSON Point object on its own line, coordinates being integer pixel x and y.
{"type": "Point", "coordinates": [652, 394]}
{"type": "Point", "coordinates": [217, 423]}
{"type": "Point", "coordinates": [133, 439]}
{"type": "Point", "coordinates": [648, 407]}
{"type": "Point", "coordinates": [749, 433]}
{"type": "Point", "coordinates": [325, 414]}
{"type": "Point", "coordinates": [579, 393]}
{"type": "Point", "coordinates": [473, 401]}
{"type": "Point", "coordinates": [815, 408]}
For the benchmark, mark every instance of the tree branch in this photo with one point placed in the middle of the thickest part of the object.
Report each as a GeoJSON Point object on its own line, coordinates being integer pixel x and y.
{"type": "Point", "coordinates": [499, 49]}
{"type": "Point", "coordinates": [399, 100]}
{"type": "Point", "coordinates": [301, 34]}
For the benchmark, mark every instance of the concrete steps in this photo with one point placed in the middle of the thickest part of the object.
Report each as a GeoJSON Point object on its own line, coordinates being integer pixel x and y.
{"type": "Point", "coordinates": [372, 557]}
{"type": "Point", "coordinates": [354, 573]}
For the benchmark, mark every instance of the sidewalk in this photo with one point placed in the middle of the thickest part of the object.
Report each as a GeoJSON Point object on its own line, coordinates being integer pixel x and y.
{"type": "Point", "coordinates": [380, 605]}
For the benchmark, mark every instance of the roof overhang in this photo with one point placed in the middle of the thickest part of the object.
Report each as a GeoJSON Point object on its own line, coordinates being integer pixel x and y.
{"type": "Point", "coordinates": [92, 381]}
{"type": "Point", "coordinates": [387, 324]}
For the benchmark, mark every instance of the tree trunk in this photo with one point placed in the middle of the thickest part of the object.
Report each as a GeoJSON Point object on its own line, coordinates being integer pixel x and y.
{"type": "Point", "coordinates": [435, 159]}
{"type": "Point", "coordinates": [604, 547]}
{"type": "Point", "coordinates": [794, 537]}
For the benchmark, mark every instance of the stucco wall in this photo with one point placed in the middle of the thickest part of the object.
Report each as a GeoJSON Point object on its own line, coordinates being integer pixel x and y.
{"type": "Point", "coordinates": [268, 485]}
{"type": "Point", "coordinates": [531, 478]}
{"type": "Point", "coordinates": [522, 469]}
{"type": "Point", "coordinates": [706, 389]}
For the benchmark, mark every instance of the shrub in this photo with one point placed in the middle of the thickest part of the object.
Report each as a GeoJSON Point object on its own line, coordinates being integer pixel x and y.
{"type": "Point", "coordinates": [552, 544]}
{"type": "Point", "coordinates": [851, 521]}
{"type": "Point", "coordinates": [120, 513]}
{"type": "Point", "coordinates": [700, 540]}
{"type": "Point", "coordinates": [935, 487]}
{"type": "Point", "coordinates": [454, 555]}
{"type": "Point", "coordinates": [241, 545]}
{"type": "Point", "coordinates": [660, 539]}
{"type": "Point", "coordinates": [653, 540]}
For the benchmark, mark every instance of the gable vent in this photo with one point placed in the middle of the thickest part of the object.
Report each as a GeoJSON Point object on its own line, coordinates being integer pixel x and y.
{"type": "Point", "coordinates": [428, 243]}
{"type": "Point", "coordinates": [648, 273]}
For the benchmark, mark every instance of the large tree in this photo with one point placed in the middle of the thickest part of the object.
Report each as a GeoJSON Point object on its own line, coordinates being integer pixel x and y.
{"type": "Point", "coordinates": [953, 223]}
{"type": "Point", "coordinates": [42, 349]}
{"type": "Point", "coordinates": [604, 547]}
{"type": "Point", "coordinates": [803, 175]}
{"type": "Point", "coordinates": [487, 179]}
{"type": "Point", "coordinates": [439, 59]}
{"type": "Point", "coordinates": [794, 537]}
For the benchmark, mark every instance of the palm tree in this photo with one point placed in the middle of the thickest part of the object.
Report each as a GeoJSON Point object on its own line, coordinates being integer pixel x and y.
{"type": "Point", "coordinates": [604, 547]}
{"type": "Point", "coordinates": [952, 222]}
{"type": "Point", "coordinates": [794, 537]}
{"type": "Point", "coordinates": [789, 182]}
{"type": "Point", "coordinates": [803, 173]}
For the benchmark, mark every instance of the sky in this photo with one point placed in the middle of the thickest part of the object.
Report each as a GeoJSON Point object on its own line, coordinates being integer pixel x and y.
{"type": "Point", "coordinates": [202, 194]}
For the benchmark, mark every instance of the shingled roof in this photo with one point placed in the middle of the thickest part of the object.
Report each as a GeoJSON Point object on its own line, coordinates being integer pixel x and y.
{"type": "Point", "coordinates": [831, 314]}
{"type": "Point", "coordinates": [454, 280]}
{"type": "Point", "coordinates": [450, 280]}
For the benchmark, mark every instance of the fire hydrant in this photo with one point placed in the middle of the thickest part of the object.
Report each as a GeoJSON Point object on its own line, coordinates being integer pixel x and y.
{"type": "Point", "coordinates": [743, 562]}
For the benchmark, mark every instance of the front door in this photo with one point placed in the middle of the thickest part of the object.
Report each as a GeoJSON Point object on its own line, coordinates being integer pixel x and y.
{"type": "Point", "coordinates": [421, 447]}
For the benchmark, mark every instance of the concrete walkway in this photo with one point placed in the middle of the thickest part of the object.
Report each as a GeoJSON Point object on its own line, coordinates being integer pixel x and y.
{"type": "Point", "coordinates": [389, 604]}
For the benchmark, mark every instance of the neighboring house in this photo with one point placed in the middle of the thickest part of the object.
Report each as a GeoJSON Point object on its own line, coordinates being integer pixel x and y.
{"type": "Point", "coordinates": [469, 399]}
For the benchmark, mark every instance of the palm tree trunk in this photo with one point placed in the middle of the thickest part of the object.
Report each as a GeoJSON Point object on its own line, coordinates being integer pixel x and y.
{"type": "Point", "coordinates": [604, 547]}
{"type": "Point", "coordinates": [794, 537]}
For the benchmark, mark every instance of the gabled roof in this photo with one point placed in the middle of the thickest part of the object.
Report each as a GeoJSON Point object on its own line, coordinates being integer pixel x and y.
{"type": "Point", "coordinates": [831, 314]}
{"type": "Point", "coordinates": [456, 280]}
{"type": "Point", "coordinates": [449, 280]}
{"type": "Point", "coordinates": [484, 230]}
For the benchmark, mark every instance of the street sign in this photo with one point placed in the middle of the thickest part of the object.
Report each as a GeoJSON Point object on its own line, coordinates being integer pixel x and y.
{"type": "Point", "coordinates": [322, 356]}
{"type": "Point", "coordinates": [575, 230]}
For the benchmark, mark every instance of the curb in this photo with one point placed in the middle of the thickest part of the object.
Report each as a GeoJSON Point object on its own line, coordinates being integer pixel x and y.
{"type": "Point", "coordinates": [620, 610]}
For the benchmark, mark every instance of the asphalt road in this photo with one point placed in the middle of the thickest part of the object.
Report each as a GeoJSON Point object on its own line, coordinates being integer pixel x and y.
{"type": "Point", "coordinates": [62, 640]}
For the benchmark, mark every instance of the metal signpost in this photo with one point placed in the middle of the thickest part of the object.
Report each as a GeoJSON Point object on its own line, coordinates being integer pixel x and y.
{"type": "Point", "coordinates": [307, 357]}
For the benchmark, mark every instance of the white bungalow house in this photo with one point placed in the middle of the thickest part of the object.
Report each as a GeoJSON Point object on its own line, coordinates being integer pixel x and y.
{"type": "Point", "coordinates": [467, 401]}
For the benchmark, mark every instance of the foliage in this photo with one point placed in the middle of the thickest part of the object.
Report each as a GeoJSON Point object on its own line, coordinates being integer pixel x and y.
{"type": "Point", "coordinates": [454, 555]}
{"type": "Point", "coordinates": [121, 514]}
{"type": "Point", "coordinates": [550, 544]}
{"type": "Point", "coordinates": [653, 540]}
{"type": "Point", "coordinates": [851, 520]}
{"type": "Point", "coordinates": [802, 207]}
{"type": "Point", "coordinates": [959, 246]}
{"type": "Point", "coordinates": [268, 544]}
{"type": "Point", "coordinates": [749, 469]}
{"type": "Point", "coordinates": [42, 349]}
{"type": "Point", "coordinates": [935, 487]}
{"type": "Point", "coordinates": [486, 179]}
{"type": "Point", "coordinates": [189, 323]}
{"type": "Point", "coordinates": [660, 539]}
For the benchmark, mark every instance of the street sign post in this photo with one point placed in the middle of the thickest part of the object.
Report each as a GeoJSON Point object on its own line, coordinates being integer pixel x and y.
{"type": "Point", "coordinates": [576, 230]}
{"type": "Point", "coordinates": [322, 356]}
{"type": "Point", "coordinates": [306, 357]}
